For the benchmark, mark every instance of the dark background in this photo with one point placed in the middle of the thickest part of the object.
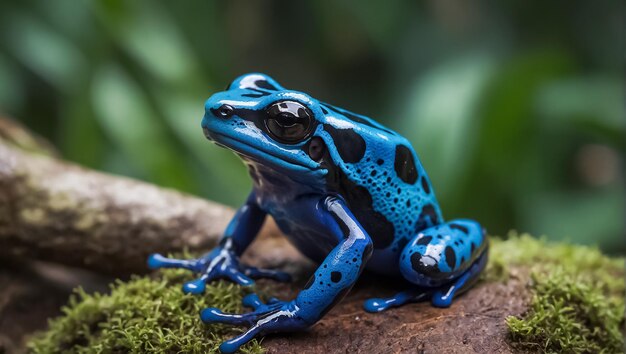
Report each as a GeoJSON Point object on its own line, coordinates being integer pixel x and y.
{"type": "Point", "coordinates": [515, 107]}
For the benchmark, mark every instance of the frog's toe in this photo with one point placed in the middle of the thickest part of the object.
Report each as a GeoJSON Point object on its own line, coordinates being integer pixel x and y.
{"type": "Point", "coordinates": [156, 261]}
{"type": "Point", "coordinates": [252, 301]}
{"type": "Point", "coordinates": [278, 316]}
{"type": "Point", "coordinates": [258, 273]}
{"type": "Point", "coordinates": [214, 315]}
{"type": "Point", "coordinates": [232, 345]}
{"type": "Point", "coordinates": [444, 296]}
{"type": "Point", "coordinates": [375, 305]}
{"type": "Point", "coordinates": [195, 287]}
{"type": "Point", "coordinates": [260, 310]}
{"type": "Point", "coordinates": [238, 277]}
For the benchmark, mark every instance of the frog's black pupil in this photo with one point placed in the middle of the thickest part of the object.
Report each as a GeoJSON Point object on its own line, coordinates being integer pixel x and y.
{"type": "Point", "coordinates": [288, 121]}
{"type": "Point", "coordinates": [225, 111]}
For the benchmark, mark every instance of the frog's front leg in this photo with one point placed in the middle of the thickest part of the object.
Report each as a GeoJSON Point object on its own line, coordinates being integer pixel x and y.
{"type": "Point", "coordinates": [223, 261]}
{"type": "Point", "coordinates": [329, 284]}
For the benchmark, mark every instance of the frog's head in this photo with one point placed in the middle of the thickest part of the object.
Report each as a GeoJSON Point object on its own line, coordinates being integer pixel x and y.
{"type": "Point", "coordinates": [267, 124]}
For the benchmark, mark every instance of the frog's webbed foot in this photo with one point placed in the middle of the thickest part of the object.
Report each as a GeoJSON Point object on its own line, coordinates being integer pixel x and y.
{"type": "Point", "coordinates": [273, 316]}
{"type": "Point", "coordinates": [219, 264]}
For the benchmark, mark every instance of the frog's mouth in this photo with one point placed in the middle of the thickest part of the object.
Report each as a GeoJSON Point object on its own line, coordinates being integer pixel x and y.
{"type": "Point", "coordinates": [260, 154]}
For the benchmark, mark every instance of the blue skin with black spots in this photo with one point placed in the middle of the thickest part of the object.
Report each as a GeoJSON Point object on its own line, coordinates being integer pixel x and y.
{"type": "Point", "coordinates": [348, 192]}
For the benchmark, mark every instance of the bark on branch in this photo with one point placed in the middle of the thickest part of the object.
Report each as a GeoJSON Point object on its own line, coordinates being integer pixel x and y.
{"type": "Point", "coordinates": [57, 211]}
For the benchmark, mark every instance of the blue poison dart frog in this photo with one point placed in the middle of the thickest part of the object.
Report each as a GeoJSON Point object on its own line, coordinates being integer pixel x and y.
{"type": "Point", "coordinates": [349, 193]}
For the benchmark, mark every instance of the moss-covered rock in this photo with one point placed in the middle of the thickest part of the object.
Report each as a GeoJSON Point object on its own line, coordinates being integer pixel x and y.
{"type": "Point", "coordinates": [144, 314]}
{"type": "Point", "coordinates": [568, 315]}
{"type": "Point", "coordinates": [576, 305]}
{"type": "Point", "coordinates": [578, 296]}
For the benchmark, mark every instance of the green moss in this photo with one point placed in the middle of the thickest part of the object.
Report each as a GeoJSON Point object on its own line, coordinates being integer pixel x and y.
{"type": "Point", "coordinates": [144, 314]}
{"type": "Point", "coordinates": [578, 296]}
{"type": "Point", "coordinates": [568, 315]}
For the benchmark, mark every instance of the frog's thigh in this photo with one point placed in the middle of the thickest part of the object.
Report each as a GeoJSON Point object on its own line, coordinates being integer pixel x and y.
{"type": "Point", "coordinates": [441, 253]}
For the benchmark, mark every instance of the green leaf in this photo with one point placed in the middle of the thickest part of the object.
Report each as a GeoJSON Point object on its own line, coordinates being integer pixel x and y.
{"type": "Point", "coordinates": [11, 87]}
{"type": "Point", "coordinates": [43, 50]}
{"type": "Point", "coordinates": [150, 36]}
{"type": "Point", "coordinates": [591, 104]}
{"type": "Point", "coordinates": [591, 218]}
{"type": "Point", "coordinates": [123, 112]}
{"type": "Point", "coordinates": [441, 117]}
{"type": "Point", "coordinates": [597, 98]}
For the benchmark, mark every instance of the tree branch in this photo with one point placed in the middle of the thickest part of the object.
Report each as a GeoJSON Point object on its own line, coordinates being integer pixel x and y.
{"type": "Point", "coordinates": [57, 211]}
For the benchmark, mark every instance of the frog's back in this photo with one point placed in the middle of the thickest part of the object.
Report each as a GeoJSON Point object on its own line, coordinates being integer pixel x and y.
{"type": "Point", "coordinates": [379, 175]}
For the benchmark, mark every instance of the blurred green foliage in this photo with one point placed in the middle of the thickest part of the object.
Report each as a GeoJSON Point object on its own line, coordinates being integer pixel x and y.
{"type": "Point", "coordinates": [514, 107]}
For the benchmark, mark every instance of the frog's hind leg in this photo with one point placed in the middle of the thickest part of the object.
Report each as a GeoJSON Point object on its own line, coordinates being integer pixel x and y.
{"type": "Point", "coordinates": [446, 258]}
{"type": "Point", "coordinates": [441, 262]}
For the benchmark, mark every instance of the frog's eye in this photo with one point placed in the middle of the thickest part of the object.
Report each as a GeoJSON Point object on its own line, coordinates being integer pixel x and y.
{"type": "Point", "coordinates": [225, 111]}
{"type": "Point", "coordinates": [288, 121]}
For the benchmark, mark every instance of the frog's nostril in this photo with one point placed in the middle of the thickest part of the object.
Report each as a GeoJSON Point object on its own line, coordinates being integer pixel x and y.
{"type": "Point", "coordinates": [317, 148]}
{"type": "Point", "coordinates": [224, 111]}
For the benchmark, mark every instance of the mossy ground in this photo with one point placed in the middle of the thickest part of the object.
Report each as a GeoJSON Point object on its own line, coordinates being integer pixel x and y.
{"type": "Point", "coordinates": [144, 314]}
{"type": "Point", "coordinates": [577, 306]}
{"type": "Point", "coordinates": [577, 301]}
